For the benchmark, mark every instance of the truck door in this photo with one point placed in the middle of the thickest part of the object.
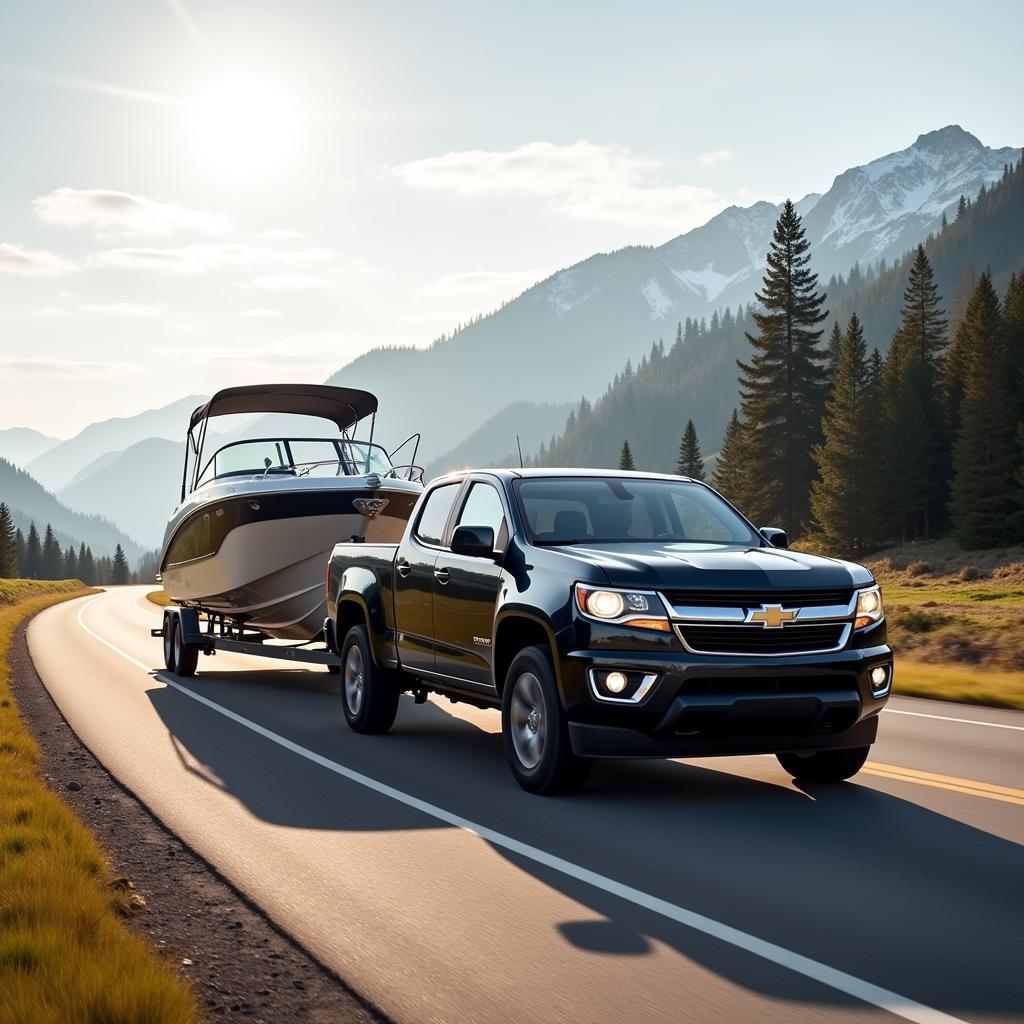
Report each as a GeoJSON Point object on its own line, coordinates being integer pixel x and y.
{"type": "Point", "coordinates": [415, 563]}
{"type": "Point", "coordinates": [466, 593]}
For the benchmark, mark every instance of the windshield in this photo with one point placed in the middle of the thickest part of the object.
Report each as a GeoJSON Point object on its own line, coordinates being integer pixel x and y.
{"type": "Point", "coordinates": [610, 510]}
{"type": "Point", "coordinates": [313, 457]}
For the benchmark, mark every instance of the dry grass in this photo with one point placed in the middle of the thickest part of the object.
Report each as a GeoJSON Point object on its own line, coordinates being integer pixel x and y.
{"type": "Point", "coordinates": [65, 953]}
{"type": "Point", "coordinates": [956, 621]}
{"type": "Point", "coordinates": [13, 591]}
{"type": "Point", "coordinates": [158, 597]}
{"type": "Point", "coordinates": [957, 683]}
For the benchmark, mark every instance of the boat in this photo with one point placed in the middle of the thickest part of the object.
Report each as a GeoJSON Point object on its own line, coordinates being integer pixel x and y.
{"type": "Point", "coordinates": [258, 518]}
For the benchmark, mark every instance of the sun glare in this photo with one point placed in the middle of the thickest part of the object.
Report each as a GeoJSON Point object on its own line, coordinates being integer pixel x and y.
{"type": "Point", "coordinates": [244, 126]}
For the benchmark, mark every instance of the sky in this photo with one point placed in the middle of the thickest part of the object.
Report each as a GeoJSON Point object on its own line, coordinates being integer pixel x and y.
{"type": "Point", "coordinates": [200, 193]}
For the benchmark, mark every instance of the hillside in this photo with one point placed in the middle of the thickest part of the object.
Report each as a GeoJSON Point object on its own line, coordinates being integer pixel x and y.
{"type": "Point", "coordinates": [495, 441]}
{"type": "Point", "coordinates": [137, 488]}
{"type": "Point", "coordinates": [29, 501]}
{"type": "Point", "coordinates": [55, 468]}
{"type": "Point", "coordinates": [569, 334]}
{"type": "Point", "coordinates": [698, 379]}
{"type": "Point", "coordinates": [20, 445]}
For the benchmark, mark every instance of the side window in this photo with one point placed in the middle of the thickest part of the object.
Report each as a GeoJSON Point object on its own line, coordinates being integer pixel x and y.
{"type": "Point", "coordinates": [430, 528]}
{"type": "Point", "coordinates": [483, 508]}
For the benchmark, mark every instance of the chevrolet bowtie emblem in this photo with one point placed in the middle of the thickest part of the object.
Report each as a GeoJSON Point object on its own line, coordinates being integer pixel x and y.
{"type": "Point", "coordinates": [772, 616]}
{"type": "Point", "coordinates": [370, 507]}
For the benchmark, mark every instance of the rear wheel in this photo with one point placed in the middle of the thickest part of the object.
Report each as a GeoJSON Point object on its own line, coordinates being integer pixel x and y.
{"type": "Point", "coordinates": [369, 693]}
{"type": "Point", "coordinates": [824, 765]}
{"type": "Point", "coordinates": [186, 657]}
{"type": "Point", "coordinates": [170, 628]}
{"type": "Point", "coordinates": [535, 730]}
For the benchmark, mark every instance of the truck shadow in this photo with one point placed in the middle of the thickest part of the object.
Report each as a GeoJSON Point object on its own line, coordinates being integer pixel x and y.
{"type": "Point", "coordinates": [880, 887]}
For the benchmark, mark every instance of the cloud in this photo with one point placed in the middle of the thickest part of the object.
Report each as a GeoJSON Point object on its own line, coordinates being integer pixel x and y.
{"type": "Point", "coordinates": [130, 309]}
{"type": "Point", "coordinates": [15, 259]}
{"type": "Point", "coordinates": [493, 283]}
{"type": "Point", "coordinates": [261, 313]}
{"type": "Point", "coordinates": [289, 282]}
{"type": "Point", "coordinates": [582, 180]}
{"type": "Point", "coordinates": [282, 235]}
{"type": "Point", "coordinates": [436, 318]}
{"type": "Point", "coordinates": [714, 156]}
{"type": "Point", "coordinates": [52, 311]}
{"type": "Point", "coordinates": [64, 368]}
{"type": "Point", "coordinates": [125, 214]}
{"type": "Point", "coordinates": [209, 256]}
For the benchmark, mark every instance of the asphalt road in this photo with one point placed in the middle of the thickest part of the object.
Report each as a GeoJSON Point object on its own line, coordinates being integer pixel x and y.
{"type": "Point", "coordinates": [708, 890]}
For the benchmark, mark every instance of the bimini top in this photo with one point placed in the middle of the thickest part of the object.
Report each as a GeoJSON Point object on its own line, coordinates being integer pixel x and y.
{"type": "Point", "coordinates": [343, 406]}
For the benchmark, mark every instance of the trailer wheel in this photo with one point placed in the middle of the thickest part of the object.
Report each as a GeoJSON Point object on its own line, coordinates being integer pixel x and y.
{"type": "Point", "coordinates": [369, 694]}
{"type": "Point", "coordinates": [170, 628]}
{"type": "Point", "coordinates": [186, 657]}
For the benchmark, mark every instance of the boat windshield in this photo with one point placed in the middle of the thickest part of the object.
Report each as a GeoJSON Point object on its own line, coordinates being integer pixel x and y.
{"type": "Point", "coordinates": [302, 456]}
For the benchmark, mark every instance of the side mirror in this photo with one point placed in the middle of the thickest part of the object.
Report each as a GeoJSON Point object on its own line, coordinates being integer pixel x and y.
{"type": "Point", "coordinates": [475, 541]}
{"type": "Point", "coordinates": [776, 537]}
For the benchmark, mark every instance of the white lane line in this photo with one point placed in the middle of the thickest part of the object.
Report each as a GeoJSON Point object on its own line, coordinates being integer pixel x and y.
{"type": "Point", "coordinates": [946, 718]}
{"type": "Point", "coordinates": [865, 991]}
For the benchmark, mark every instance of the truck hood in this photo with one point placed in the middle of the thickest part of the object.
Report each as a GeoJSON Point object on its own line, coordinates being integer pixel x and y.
{"type": "Point", "coordinates": [671, 565]}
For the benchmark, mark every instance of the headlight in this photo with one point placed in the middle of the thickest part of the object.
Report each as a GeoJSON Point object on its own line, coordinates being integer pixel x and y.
{"type": "Point", "coordinates": [869, 607]}
{"type": "Point", "coordinates": [638, 608]}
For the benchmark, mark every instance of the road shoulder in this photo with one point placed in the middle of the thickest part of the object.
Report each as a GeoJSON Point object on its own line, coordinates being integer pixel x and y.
{"type": "Point", "coordinates": [239, 964]}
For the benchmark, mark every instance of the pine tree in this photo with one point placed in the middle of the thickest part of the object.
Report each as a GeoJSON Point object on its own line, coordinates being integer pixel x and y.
{"type": "Point", "coordinates": [8, 544]}
{"type": "Point", "coordinates": [119, 571]}
{"type": "Point", "coordinates": [53, 558]}
{"type": "Point", "coordinates": [1013, 314]}
{"type": "Point", "coordinates": [918, 461]}
{"type": "Point", "coordinates": [835, 345]}
{"type": "Point", "coordinates": [690, 462]}
{"type": "Point", "coordinates": [984, 455]}
{"type": "Point", "coordinates": [20, 549]}
{"type": "Point", "coordinates": [727, 477]}
{"type": "Point", "coordinates": [626, 457]}
{"type": "Point", "coordinates": [842, 498]}
{"type": "Point", "coordinates": [71, 563]}
{"type": "Point", "coordinates": [87, 567]}
{"type": "Point", "coordinates": [33, 555]}
{"type": "Point", "coordinates": [1019, 479]}
{"type": "Point", "coordinates": [782, 387]}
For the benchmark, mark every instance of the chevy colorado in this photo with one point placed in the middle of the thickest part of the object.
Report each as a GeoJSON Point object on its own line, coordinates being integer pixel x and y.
{"type": "Point", "coordinates": [612, 614]}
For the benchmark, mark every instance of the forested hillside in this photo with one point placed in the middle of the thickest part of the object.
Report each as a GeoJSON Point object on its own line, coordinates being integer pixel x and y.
{"type": "Point", "coordinates": [697, 377]}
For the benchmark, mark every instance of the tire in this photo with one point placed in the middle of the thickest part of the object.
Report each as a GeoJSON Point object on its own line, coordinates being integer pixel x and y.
{"type": "Point", "coordinates": [369, 694]}
{"type": "Point", "coordinates": [170, 627]}
{"type": "Point", "coordinates": [534, 728]}
{"type": "Point", "coordinates": [186, 657]}
{"type": "Point", "coordinates": [825, 765]}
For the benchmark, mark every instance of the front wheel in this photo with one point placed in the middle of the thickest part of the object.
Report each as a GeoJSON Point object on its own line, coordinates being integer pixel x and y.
{"type": "Point", "coordinates": [369, 694]}
{"type": "Point", "coordinates": [824, 765]}
{"type": "Point", "coordinates": [534, 728]}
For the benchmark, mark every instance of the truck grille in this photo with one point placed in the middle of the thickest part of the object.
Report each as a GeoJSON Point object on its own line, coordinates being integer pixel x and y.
{"type": "Point", "coordinates": [754, 639]}
{"type": "Point", "coordinates": [754, 599]}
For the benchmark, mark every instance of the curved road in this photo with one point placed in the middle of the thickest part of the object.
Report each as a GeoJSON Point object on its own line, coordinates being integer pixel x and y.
{"type": "Point", "coordinates": [713, 890]}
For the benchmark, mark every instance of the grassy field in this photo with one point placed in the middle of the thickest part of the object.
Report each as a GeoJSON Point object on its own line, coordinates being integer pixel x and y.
{"type": "Point", "coordinates": [158, 597]}
{"type": "Point", "coordinates": [65, 952]}
{"type": "Point", "coordinates": [956, 621]}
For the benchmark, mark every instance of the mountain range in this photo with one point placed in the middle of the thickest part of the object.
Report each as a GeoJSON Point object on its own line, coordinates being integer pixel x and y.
{"type": "Point", "coordinates": [516, 370]}
{"type": "Point", "coordinates": [568, 335]}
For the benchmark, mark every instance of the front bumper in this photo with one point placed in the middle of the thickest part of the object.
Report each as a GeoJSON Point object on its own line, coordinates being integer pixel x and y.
{"type": "Point", "coordinates": [707, 706]}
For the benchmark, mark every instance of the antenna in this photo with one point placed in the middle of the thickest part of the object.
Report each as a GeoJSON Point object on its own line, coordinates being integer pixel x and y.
{"type": "Point", "coordinates": [520, 447]}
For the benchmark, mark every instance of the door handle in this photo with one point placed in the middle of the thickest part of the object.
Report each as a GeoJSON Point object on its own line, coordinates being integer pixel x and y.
{"type": "Point", "coordinates": [441, 575]}
{"type": "Point", "coordinates": [403, 568]}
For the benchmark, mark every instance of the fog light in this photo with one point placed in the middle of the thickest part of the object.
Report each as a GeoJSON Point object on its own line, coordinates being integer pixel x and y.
{"type": "Point", "coordinates": [615, 682]}
{"type": "Point", "coordinates": [878, 677]}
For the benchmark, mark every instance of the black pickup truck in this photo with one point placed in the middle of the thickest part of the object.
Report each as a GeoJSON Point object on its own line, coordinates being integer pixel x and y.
{"type": "Point", "coordinates": [612, 614]}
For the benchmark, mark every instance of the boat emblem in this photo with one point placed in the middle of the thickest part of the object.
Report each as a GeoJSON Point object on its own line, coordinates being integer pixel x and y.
{"type": "Point", "coordinates": [370, 507]}
{"type": "Point", "coordinates": [772, 616]}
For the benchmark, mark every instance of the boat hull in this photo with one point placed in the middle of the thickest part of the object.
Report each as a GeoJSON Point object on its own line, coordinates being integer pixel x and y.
{"type": "Point", "coordinates": [259, 555]}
